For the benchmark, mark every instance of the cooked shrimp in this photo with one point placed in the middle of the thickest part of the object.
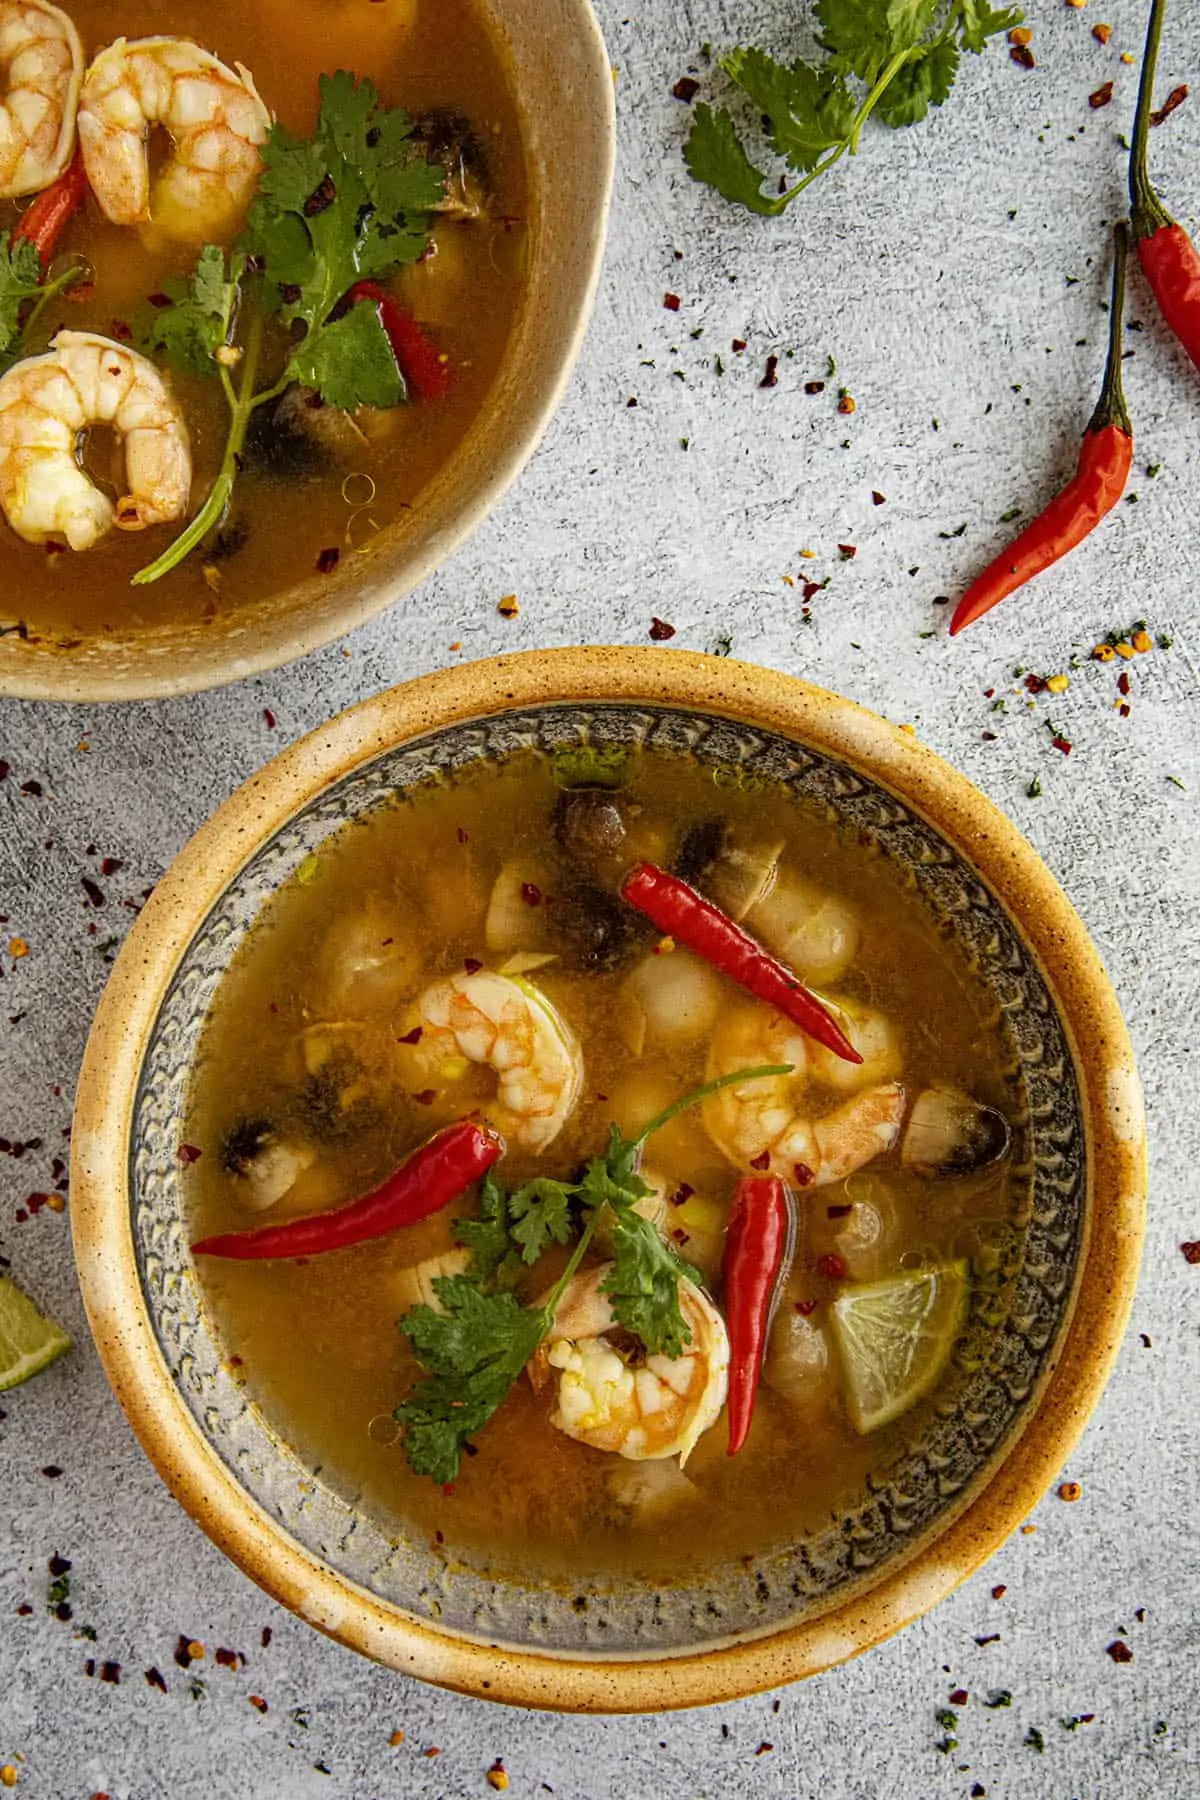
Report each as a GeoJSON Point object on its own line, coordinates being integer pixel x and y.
{"type": "Point", "coordinates": [510, 1025]}
{"type": "Point", "coordinates": [213, 115]}
{"type": "Point", "coordinates": [42, 57]}
{"type": "Point", "coordinates": [779, 1116]}
{"type": "Point", "coordinates": [47, 402]}
{"type": "Point", "coordinates": [642, 1408]}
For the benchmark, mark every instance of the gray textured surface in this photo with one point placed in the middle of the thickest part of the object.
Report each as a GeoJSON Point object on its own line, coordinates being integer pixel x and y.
{"type": "Point", "coordinates": [908, 268]}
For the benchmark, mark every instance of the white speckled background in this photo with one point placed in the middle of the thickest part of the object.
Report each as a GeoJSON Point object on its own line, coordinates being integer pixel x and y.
{"type": "Point", "coordinates": [953, 271]}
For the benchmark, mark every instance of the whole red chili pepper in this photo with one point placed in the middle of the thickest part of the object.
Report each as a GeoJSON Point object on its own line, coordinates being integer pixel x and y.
{"type": "Point", "coordinates": [758, 1248]}
{"type": "Point", "coordinates": [1167, 254]}
{"type": "Point", "coordinates": [421, 363]}
{"type": "Point", "coordinates": [1094, 489]}
{"type": "Point", "coordinates": [679, 910]}
{"type": "Point", "coordinates": [44, 221]}
{"type": "Point", "coordinates": [431, 1177]}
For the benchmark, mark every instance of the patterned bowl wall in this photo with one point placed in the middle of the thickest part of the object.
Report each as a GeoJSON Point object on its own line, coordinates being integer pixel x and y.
{"type": "Point", "coordinates": [919, 1493]}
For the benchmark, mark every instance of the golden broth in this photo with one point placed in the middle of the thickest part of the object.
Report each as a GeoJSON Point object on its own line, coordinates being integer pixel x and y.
{"type": "Point", "coordinates": [316, 1341]}
{"type": "Point", "coordinates": [422, 56]}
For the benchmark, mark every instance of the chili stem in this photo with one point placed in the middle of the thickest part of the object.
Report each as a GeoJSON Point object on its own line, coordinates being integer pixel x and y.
{"type": "Point", "coordinates": [211, 513]}
{"type": "Point", "coordinates": [1111, 408]}
{"type": "Point", "coordinates": [1149, 213]}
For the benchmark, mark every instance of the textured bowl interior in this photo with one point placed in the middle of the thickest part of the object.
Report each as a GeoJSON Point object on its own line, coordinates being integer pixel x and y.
{"type": "Point", "coordinates": [563, 83]}
{"type": "Point", "coordinates": [898, 1511]}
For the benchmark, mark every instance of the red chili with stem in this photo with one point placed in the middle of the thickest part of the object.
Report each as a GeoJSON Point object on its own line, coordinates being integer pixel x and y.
{"type": "Point", "coordinates": [421, 363]}
{"type": "Point", "coordinates": [430, 1179]}
{"type": "Point", "coordinates": [46, 218]}
{"type": "Point", "coordinates": [1167, 254]}
{"type": "Point", "coordinates": [677, 909]}
{"type": "Point", "coordinates": [758, 1249]}
{"type": "Point", "coordinates": [1094, 489]}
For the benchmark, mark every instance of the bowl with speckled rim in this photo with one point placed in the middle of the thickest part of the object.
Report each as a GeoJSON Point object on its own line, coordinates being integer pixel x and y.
{"type": "Point", "coordinates": [911, 1535]}
{"type": "Point", "coordinates": [562, 80]}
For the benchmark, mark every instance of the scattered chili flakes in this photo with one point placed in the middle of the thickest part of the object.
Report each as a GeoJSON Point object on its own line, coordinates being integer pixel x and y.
{"type": "Point", "coordinates": [268, 718]}
{"type": "Point", "coordinates": [1103, 653]}
{"type": "Point", "coordinates": [1061, 743]}
{"type": "Point", "coordinates": [497, 1776]}
{"type": "Point", "coordinates": [1022, 55]}
{"type": "Point", "coordinates": [806, 1307]}
{"type": "Point", "coordinates": [814, 387]}
{"type": "Point", "coordinates": [685, 89]}
{"type": "Point", "coordinates": [1142, 641]}
{"type": "Point", "coordinates": [1069, 1490]}
{"type": "Point", "coordinates": [396, 1739]}
{"type": "Point", "coordinates": [846, 402]}
{"type": "Point", "coordinates": [831, 1268]}
{"type": "Point", "coordinates": [660, 631]}
{"type": "Point", "coordinates": [17, 948]}
{"type": "Point", "coordinates": [472, 965]}
{"type": "Point", "coordinates": [433, 1750]}
{"type": "Point", "coordinates": [1122, 683]}
{"type": "Point", "coordinates": [764, 1748]}
{"type": "Point", "coordinates": [877, 499]}
{"type": "Point", "coordinates": [1102, 96]}
{"type": "Point", "coordinates": [33, 789]}
{"type": "Point", "coordinates": [671, 302]}
{"type": "Point", "coordinates": [328, 560]}
{"type": "Point", "coordinates": [1028, 1530]}
{"type": "Point", "coordinates": [1057, 684]}
{"type": "Point", "coordinates": [267, 1635]}
{"type": "Point", "coordinates": [664, 946]}
{"type": "Point", "coordinates": [761, 1161]}
{"type": "Point", "coordinates": [847, 552]}
{"type": "Point", "coordinates": [1124, 649]}
{"type": "Point", "coordinates": [738, 345]}
{"type": "Point", "coordinates": [8, 1775]}
{"type": "Point", "coordinates": [230, 1659]}
{"type": "Point", "coordinates": [1175, 98]}
{"type": "Point", "coordinates": [1020, 34]}
{"type": "Point", "coordinates": [1102, 33]}
{"type": "Point", "coordinates": [508, 607]}
{"type": "Point", "coordinates": [959, 1697]}
{"type": "Point", "coordinates": [771, 375]}
{"type": "Point", "coordinates": [156, 1679]}
{"type": "Point", "coordinates": [999, 1591]}
{"type": "Point", "coordinates": [1191, 1251]}
{"type": "Point", "coordinates": [1119, 1651]}
{"type": "Point", "coordinates": [52, 1471]}
{"type": "Point", "coordinates": [258, 1703]}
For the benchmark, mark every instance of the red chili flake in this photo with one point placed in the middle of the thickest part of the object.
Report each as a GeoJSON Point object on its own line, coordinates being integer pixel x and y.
{"type": "Point", "coordinates": [447, 1490]}
{"type": "Point", "coordinates": [22, 1217]}
{"type": "Point", "coordinates": [257, 1701]}
{"type": "Point", "coordinates": [1175, 98]}
{"type": "Point", "coordinates": [959, 1697]}
{"type": "Point", "coordinates": [230, 1659]}
{"type": "Point", "coordinates": [94, 893]}
{"type": "Point", "coordinates": [1102, 96]}
{"type": "Point", "coordinates": [121, 331]}
{"type": "Point", "coordinates": [686, 89]}
{"type": "Point", "coordinates": [267, 1635]}
{"type": "Point", "coordinates": [771, 377]}
{"type": "Point", "coordinates": [989, 693]}
{"type": "Point", "coordinates": [810, 589]}
{"type": "Point", "coordinates": [269, 718]}
{"type": "Point", "coordinates": [989, 737]}
{"type": "Point", "coordinates": [412, 1037]}
{"type": "Point", "coordinates": [831, 1268]}
{"type": "Point", "coordinates": [814, 387]}
{"type": "Point", "coordinates": [805, 1307]}
{"type": "Point", "coordinates": [111, 865]}
{"type": "Point", "coordinates": [24, 1610]}
{"type": "Point", "coordinates": [189, 1153]}
{"type": "Point", "coordinates": [111, 1672]}
{"type": "Point", "coordinates": [632, 401]}
{"type": "Point", "coordinates": [52, 1471]}
{"type": "Point", "coordinates": [993, 1638]}
{"type": "Point", "coordinates": [328, 560]}
{"type": "Point", "coordinates": [183, 1651]}
{"type": "Point", "coordinates": [426, 1097]}
{"type": "Point", "coordinates": [1023, 55]}
{"type": "Point", "coordinates": [682, 1193]}
{"type": "Point", "coordinates": [159, 300]}
{"type": "Point", "coordinates": [671, 302]}
{"type": "Point", "coordinates": [1036, 684]}
{"type": "Point", "coordinates": [763, 1748]}
{"type": "Point", "coordinates": [433, 1750]}
{"type": "Point", "coordinates": [681, 1236]}
{"type": "Point", "coordinates": [1119, 1651]}
{"type": "Point", "coordinates": [472, 965]}
{"type": "Point", "coordinates": [660, 631]}
{"type": "Point", "coordinates": [531, 894]}
{"type": "Point", "coordinates": [89, 1667]}
{"type": "Point", "coordinates": [1124, 711]}
{"type": "Point", "coordinates": [1191, 1251]}
{"type": "Point", "coordinates": [464, 837]}
{"type": "Point", "coordinates": [32, 788]}
{"type": "Point", "coordinates": [762, 1161]}
{"type": "Point", "coordinates": [1063, 744]}
{"type": "Point", "coordinates": [877, 499]}
{"type": "Point", "coordinates": [999, 1591]}
{"type": "Point", "coordinates": [838, 1212]}
{"type": "Point", "coordinates": [804, 1176]}
{"type": "Point", "coordinates": [1122, 683]}
{"type": "Point", "coordinates": [739, 344]}
{"type": "Point", "coordinates": [847, 552]}
{"type": "Point", "coordinates": [5, 769]}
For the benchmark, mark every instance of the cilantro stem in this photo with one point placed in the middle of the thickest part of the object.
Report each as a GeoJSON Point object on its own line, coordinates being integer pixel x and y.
{"type": "Point", "coordinates": [243, 405]}
{"type": "Point", "coordinates": [850, 141]}
{"type": "Point", "coordinates": [758, 1073]}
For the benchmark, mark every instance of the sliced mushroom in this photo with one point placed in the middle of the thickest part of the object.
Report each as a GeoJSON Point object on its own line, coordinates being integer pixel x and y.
{"type": "Point", "coordinates": [651, 1490]}
{"type": "Point", "coordinates": [447, 138]}
{"type": "Point", "coordinates": [738, 874]}
{"type": "Point", "coordinates": [264, 1165]}
{"type": "Point", "coordinates": [596, 930]}
{"type": "Point", "coordinates": [516, 917]}
{"type": "Point", "coordinates": [949, 1132]}
{"type": "Point", "coordinates": [798, 1365]}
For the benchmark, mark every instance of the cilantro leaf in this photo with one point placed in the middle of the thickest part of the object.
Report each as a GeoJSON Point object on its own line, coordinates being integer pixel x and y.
{"type": "Point", "coordinates": [862, 39]}
{"type": "Point", "coordinates": [541, 1215]}
{"type": "Point", "coordinates": [20, 280]}
{"type": "Point", "coordinates": [350, 362]}
{"type": "Point", "coordinates": [488, 1238]}
{"type": "Point", "coordinates": [591, 765]}
{"type": "Point", "coordinates": [713, 153]}
{"type": "Point", "coordinates": [643, 1285]}
{"type": "Point", "coordinates": [194, 326]}
{"type": "Point", "coordinates": [925, 80]}
{"type": "Point", "coordinates": [809, 115]}
{"type": "Point", "coordinates": [979, 21]}
{"type": "Point", "coordinates": [474, 1350]}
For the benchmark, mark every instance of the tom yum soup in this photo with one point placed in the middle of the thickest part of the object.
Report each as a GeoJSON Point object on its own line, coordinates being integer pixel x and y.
{"type": "Point", "coordinates": [582, 1152]}
{"type": "Point", "coordinates": [258, 265]}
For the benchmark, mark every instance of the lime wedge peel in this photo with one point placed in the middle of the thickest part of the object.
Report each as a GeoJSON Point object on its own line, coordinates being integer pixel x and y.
{"type": "Point", "coordinates": [29, 1342]}
{"type": "Point", "coordinates": [895, 1339]}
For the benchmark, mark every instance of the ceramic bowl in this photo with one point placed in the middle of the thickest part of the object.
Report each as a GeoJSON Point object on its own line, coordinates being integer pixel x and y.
{"type": "Point", "coordinates": [562, 78]}
{"type": "Point", "coordinates": [908, 1537]}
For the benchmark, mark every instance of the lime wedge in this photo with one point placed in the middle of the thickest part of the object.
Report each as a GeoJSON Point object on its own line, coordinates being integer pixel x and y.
{"type": "Point", "coordinates": [28, 1342]}
{"type": "Point", "coordinates": [895, 1339]}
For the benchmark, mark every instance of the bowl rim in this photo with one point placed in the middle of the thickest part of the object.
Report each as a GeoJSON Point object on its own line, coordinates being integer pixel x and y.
{"type": "Point", "coordinates": [1110, 1102]}
{"type": "Point", "coordinates": [486, 462]}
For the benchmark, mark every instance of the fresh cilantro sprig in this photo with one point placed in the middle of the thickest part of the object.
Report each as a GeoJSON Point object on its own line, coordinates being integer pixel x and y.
{"type": "Point", "coordinates": [24, 296]}
{"type": "Point", "coordinates": [349, 204]}
{"type": "Point", "coordinates": [891, 58]}
{"type": "Point", "coordinates": [475, 1348]}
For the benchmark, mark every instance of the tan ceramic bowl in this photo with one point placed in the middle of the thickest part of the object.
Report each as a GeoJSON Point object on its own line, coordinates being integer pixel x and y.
{"type": "Point", "coordinates": [982, 1460]}
{"type": "Point", "coordinates": [563, 82]}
